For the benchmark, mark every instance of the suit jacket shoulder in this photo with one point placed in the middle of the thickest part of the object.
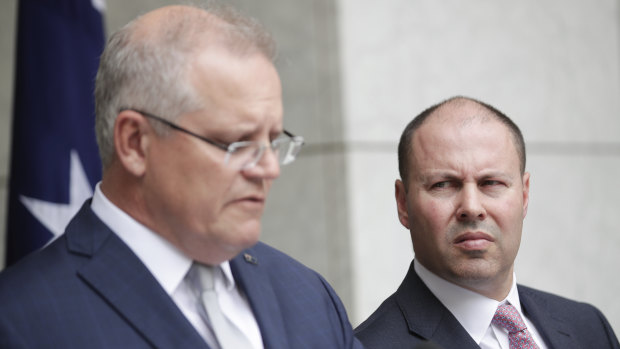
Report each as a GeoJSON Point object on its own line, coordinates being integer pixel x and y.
{"type": "Point", "coordinates": [565, 323]}
{"type": "Point", "coordinates": [88, 290]}
{"type": "Point", "coordinates": [410, 316]}
{"type": "Point", "coordinates": [413, 314]}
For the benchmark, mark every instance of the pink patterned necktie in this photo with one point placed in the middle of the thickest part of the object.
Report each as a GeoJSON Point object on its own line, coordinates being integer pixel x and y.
{"type": "Point", "coordinates": [508, 317]}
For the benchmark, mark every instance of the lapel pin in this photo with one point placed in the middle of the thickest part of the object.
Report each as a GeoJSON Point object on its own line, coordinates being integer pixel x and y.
{"type": "Point", "coordinates": [249, 258]}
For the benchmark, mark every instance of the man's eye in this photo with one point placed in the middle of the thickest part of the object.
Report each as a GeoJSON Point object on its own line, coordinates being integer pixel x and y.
{"type": "Point", "coordinates": [441, 185]}
{"type": "Point", "coordinates": [490, 182]}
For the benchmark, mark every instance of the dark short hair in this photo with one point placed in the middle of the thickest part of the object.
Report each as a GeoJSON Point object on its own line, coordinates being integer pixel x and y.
{"type": "Point", "coordinates": [405, 148]}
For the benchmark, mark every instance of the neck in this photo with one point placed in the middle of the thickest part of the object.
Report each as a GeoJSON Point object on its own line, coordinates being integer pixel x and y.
{"type": "Point", "coordinates": [496, 288]}
{"type": "Point", "coordinates": [122, 191]}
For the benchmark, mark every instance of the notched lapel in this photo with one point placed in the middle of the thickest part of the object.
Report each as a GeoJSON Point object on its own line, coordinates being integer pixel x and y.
{"type": "Point", "coordinates": [133, 292]}
{"type": "Point", "coordinates": [116, 274]}
{"type": "Point", "coordinates": [555, 332]}
{"type": "Point", "coordinates": [427, 317]}
{"type": "Point", "coordinates": [254, 279]}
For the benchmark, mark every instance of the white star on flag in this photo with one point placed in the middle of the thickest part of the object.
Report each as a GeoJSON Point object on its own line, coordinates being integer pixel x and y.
{"type": "Point", "coordinates": [56, 216]}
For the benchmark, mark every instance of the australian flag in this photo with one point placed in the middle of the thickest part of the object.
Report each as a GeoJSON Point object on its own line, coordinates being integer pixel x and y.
{"type": "Point", "coordinates": [54, 157]}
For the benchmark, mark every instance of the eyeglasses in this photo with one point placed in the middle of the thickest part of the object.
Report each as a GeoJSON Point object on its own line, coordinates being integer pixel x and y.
{"type": "Point", "coordinates": [246, 154]}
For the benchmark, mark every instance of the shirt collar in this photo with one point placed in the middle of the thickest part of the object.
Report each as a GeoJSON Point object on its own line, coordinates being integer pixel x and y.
{"type": "Point", "coordinates": [473, 310]}
{"type": "Point", "coordinates": [164, 260]}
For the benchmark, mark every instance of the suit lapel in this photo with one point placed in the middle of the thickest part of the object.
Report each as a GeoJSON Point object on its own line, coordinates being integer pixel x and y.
{"type": "Point", "coordinates": [427, 317]}
{"type": "Point", "coordinates": [254, 279]}
{"type": "Point", "coordinates": [119, 277]}
{"type": "Point", "coordinates": [555, 332]}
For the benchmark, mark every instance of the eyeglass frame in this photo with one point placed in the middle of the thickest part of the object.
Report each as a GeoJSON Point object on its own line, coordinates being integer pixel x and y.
{"type": "Point", "coordinates": [229, 149]}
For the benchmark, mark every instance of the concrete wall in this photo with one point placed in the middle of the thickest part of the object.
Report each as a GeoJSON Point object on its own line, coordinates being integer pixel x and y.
{"type": "Point", "coordinates": [356, 71]}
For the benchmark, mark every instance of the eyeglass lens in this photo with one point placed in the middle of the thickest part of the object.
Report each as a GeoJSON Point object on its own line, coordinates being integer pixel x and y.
{"type": "Point", "coordinates": [247, 155]}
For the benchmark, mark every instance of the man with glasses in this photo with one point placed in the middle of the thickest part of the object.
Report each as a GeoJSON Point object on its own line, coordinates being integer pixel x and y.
{"type": "Point", "coordinates": [166, 253]}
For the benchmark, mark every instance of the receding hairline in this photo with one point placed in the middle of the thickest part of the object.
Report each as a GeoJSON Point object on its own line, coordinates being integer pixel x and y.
{"type": "Point", "coordinates": [157, 25]}
{"type": "Point", "coordinates": [145, 63]}
{"type": "Point", "coordinates": [486, 113]}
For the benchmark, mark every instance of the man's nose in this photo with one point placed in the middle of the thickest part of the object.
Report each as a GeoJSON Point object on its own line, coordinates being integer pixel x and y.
{"type": "Point", "coordinates": [470, 206]}
{"type": "Point", "coordinates": [267, 166]}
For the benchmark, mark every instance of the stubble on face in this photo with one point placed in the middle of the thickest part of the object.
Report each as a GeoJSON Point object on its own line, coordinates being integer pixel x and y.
{"type": "Point", "coordinates": [465, 200]}
{"type": "Point", "coordinates": [475, 267]}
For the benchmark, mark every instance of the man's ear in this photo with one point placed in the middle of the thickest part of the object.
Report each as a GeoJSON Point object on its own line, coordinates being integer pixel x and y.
{"type": "Point", "coordinates": [526, 192]}
{"type": "Point", "coordinates": [131, 140]}
{"type": "Point", "coordinates": [401, 203]}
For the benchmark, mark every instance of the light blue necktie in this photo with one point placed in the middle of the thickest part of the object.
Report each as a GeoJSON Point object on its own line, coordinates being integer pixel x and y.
{"type": "Point", "coordinates": [227, 334]}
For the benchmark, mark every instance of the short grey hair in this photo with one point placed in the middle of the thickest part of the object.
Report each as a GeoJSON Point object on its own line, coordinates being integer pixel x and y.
{"type": "Point", "coordinates": [151, 70]}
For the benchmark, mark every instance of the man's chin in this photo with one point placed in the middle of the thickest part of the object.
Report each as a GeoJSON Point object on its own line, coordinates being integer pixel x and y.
{"type": "Point", "coordinates": [248, 236]}
{"type": "Point", "coordinates": [477, 270]}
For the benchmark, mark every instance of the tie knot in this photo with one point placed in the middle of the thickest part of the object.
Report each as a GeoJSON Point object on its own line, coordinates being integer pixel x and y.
{"type": "Point", "coordinates": [508, 317]}
{"type": "Point", "coordinates": [203, 276]}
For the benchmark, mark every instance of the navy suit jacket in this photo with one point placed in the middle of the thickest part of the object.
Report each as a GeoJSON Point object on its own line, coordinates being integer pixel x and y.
{"type": "Point", "coordinates": [89, 290]}
{"type": "Point", "coordinates": [413, 314]}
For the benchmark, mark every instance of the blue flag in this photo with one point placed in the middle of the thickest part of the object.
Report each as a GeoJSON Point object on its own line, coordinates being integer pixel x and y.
{"type": "Point", "coordinates": [54, 156]}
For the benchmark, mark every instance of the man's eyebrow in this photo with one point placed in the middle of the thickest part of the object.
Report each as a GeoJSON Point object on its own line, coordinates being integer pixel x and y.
{"type": "Point", "coordinates": [435, 175]}
{"type": "Point", "coordinates": [495, 174]}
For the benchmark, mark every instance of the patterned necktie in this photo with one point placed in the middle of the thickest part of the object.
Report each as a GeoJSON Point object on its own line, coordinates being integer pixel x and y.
{"type": "Point", "coordinates": [228, 335]}
{"type": "Point", "coordinates": [508, 317]}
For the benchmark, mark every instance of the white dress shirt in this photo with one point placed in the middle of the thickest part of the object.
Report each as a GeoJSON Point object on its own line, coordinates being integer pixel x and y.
{"type": "Point", "coordinates": [170, 266]}
{"type": "Point", "coordinates": [475, 311]}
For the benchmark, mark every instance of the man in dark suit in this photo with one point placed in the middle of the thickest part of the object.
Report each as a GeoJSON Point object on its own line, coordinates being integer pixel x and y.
{"type": "Point", "coordinates": [165, 254]}
{"type": "Point", "coordinates": [463, 195]}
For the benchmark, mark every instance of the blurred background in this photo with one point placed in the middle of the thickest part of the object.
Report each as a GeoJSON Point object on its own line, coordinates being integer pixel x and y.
{"type": "Point", "coordinates": [355, 72]}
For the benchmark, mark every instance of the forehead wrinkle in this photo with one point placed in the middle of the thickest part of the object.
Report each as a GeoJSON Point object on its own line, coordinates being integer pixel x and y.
{"type": "Point", "coordinates": [437, 142]}
{"type": "Point", "coordinates": [469, 113]}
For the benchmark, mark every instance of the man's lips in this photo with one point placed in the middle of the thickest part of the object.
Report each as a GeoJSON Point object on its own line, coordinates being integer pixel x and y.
{"type": "Point", "coordinates": [474, 240]}
{"type": "Point", "coordinates": [252, 200]}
